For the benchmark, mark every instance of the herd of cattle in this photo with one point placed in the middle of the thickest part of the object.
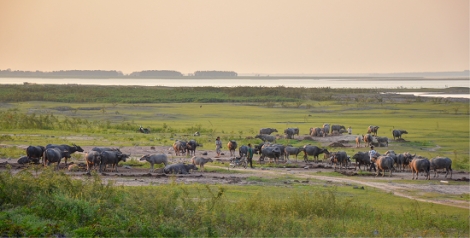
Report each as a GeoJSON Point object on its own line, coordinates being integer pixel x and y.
{"type": "Point", "coordinates": [268, 149]}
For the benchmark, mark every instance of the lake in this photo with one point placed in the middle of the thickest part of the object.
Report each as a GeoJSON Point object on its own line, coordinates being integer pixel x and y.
{"type": "Point", "coordinates": [307, 83]}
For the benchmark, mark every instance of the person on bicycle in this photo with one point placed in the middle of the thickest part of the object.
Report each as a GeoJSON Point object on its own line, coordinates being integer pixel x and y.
{"type": "Point", "coordinates": [250, 155]}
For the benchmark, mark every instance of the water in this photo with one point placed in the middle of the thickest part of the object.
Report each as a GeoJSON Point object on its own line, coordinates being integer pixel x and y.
{"type": "Point", "coordinates": [307, 83]}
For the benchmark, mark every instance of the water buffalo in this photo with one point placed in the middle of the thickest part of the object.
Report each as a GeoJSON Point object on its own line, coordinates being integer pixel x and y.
{"type": "Point", "coordinates": [373, 130]}
{"type": "Point", "coordinates": [418, 165]}
{"type": "Point", "coordinates": [179, 168]}
{"type": "Point", "coordinates": [296, 130]}
{"type": "Point", "coordinates": [358, 141]}
{"type": "Point", "coordinates": [289, 150]}
{"type": "Point", "coordinates": [179, 147]}
{"type": "Point", "coordinates": [144, 130]}
{"type": "Point", "coordinates": [338, 128]}
{"type": "Point", "coordinates": [232, 146]}
{"type": "Point", "coordinates": [55, 155]}
{"type": "Point", "coordinates": [441, 163]}
{"type": "Point", "coordinates": [367, 139]}
{"type": "Point", "coordinates": [316, 131]}
{"type": "Point", "coordinates": [243, 151]}
{"type": "Point", "coordinates": [113, 158]}
{"type": "Point", "coordinates": [35, 153]}
{"type": "Point", "coordinates": [326, 129]}
{"type": "Point", "coordinates": [403, 160]}
{"type": "Point", "coordinates": [290, 133]}
{"type": "Point", "coordinates": [383, 163]}
{"type": "Point", "coordinates": [267, 138]}
{"type": "Point", "coordinates": [93, 159]}
{"type": "Point", "coordinates": [271, 152]}
{"type": "Point", "coordinates": [383, 141]}
{"type": "Point", "coordinates": [200, 161]}
{"type": "Point", "coordinates": [340, 158]}
{"type": "Point", "coordinates": [362, 158]}
{"type": "Point", "coordinates": [313, 150]}
{"type": "Point", "coordinates": [191, 147]}
{"type": "Point", "coordinates": [267, 131]}
{"type": "Point", "coordinates": [155, 159]}
{"type": "Point", "coordinates": [397, 133]}
{"type": "Point", "coordinates": [71, 149]}
{"type": "Point", "coordinates": [101, 149]}
{"type": "Point", "coordinates": [392, 154]}
{"type": "Point", "coordinates": [24, 160]}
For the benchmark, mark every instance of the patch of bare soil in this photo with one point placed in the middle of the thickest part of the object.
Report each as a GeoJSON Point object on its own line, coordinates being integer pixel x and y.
{"type": "Point", "coordinates": [308, 173]}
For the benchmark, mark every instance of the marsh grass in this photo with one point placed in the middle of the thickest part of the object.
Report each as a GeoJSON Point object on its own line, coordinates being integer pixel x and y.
{"type": "Point", "coordinates": [63, 206]}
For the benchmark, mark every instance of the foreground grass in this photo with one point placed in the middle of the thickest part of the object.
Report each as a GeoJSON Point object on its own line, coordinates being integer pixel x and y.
{"type": "Point", "coordinates": [52, 203]}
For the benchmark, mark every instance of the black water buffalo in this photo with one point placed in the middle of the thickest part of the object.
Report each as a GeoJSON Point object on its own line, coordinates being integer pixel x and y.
{"type": "Point", "coordinates": [232, 146]}
{"type": "Point", "coordinates": [362, 158]}
{"type": "Point", "coordinates": [337, 128]}
{"type": "Point", "coordinates": [271, 152]}
{"type": "Point", "coordinates": [201, 161]}
{"type": "Point", "coordinates": [383, 141]}
{"type": "Point", "coordinates": [418, 165]}
{"type": "Point", "coordinates": [326, 129]}
{"type": "Point", "coordinates": [384, 163]}
{"type": "Point", "coordinates": [290, 132]}
{"type": "Point", "coordinates": [112, 158]}
{"type": "Point", "coordinates": [55, 155]}
{"type": "Point", "coordinates": [341, 158]}
{"type": "Point", "coordinates": [243, 151]}
{"type": "Point", "coordinates": [403, 160]}
{"type": "Point", "coordinates": [267, 131]}
{"type": "Point", "coordinates": [101, 149]}
{"type": "Point", "coordinates": [397, 134]}
{"type": "Point", "coordinates": [313, 150]}
{"type": "Point", "coordinates": [289, 150]}
{"type": "Point", "coordinates": [373, 130]}
{"type": "Point", "coordinates": [441, 163]}
{"type": "Point", "coordinates": [71, 149]}
{"type": "Point", "coordinates": [179, 168]}
{"type": "Point", "coordinates": [24, 160]}
{"type": "Point", "coordinates": [93, 159]}
{"type": "Point", "coordinates": [191, 147]}
{"type": "Point", "coordinates": [155, 159]}
{"type": "Point", "coordinates": [267, 138]}
{"type": "Point", "coordinates": [35, 153]}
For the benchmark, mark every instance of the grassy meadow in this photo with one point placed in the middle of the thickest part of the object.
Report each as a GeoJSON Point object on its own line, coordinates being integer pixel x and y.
{"type": "Point", "coordinates": [42, 202]}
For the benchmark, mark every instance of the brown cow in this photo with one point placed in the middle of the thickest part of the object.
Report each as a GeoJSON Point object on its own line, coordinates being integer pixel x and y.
{"type": "Point", "coordinates": [367, 139]}
{"type": "Point", "coordinates": [423, 164]}
{"type": "Point", "coordinates": [232, 145]}
{"type": "Point", "coordinates": [373, 130]}
{"type": "Point", "coordinates": [358, 141]}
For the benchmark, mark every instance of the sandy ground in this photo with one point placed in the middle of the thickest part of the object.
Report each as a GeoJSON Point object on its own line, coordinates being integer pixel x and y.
{"type": "Point", "coordinates": [308, 174]}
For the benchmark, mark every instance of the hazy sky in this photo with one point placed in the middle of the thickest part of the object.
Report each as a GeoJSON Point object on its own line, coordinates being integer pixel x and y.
{"type": "Point", "coordinates": [246, 36]}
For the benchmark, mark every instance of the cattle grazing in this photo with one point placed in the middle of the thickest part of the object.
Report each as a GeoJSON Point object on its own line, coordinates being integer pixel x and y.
{"type": "Point", "coordinates": [326, 129]}
{"type": "Point", "coordinates": [191, 147]}
{"type": "Point", "coordinates": [397, 134]}
{"type": "Point", "coordinates": [267, 131]}
{"type": "Point", "coordinates": [362, 158]}
{"type": "Point", "coordinates": [372, 130]}
{"type": "Point", "coordinates": [93, 159]}
{"type": "Point", "coordinates": [179, 168]}
{"type": "Point", "coordinates": [113, 158]}
{"type": "Point", "coordinates": [313, 150]}
{"type": "Point", "coordinates": [24, 160]}
{"type": "Point", "coordinates": [316, 131]}
{"type": "Point", "coordinates": [71, 149]}
{"type": "Point", "coordinates": [271, 152]}
{"type": "Point", "coordinates": [358, 141]}
{"type": "Point", "coordinates": [155, 159]}
{"type": "Point", "coordinates": [340, 158]}
{"type": "Point", "coordinates": [384, 163]}
{"type": "Point", "coordinates": [418, 165]}
{"type": "Point", "coordinates": [35, 153]}
{"type": "Point", "coordinates": [179, 147]}
{"type": "Point", "coordinates": [232, 146]}
{"type": "Point", "coordinates": [265, 138]}
{"type": "Point", "coordinates": [200, 161]}
{"type": "Point", "coordinates": [441, 163]}
{"type": "Point", "coordinates": [243, 151]}
{"type": "Point", "coordinates": [289, 150]}
{"type": "Point", "coordinates": [144, 130]}
{"type": "Point", "coordinates": [55, 155]}
{"type": "Point", "coordinates": [367, 139]}
{"type": "Point", "coordinates": [289, 132]}
{"type": "Point", "coordinates": [338, 128]}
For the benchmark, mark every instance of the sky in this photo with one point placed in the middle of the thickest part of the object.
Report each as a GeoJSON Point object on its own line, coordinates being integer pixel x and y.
{"type": "Point", "coordinates": [245, 36]}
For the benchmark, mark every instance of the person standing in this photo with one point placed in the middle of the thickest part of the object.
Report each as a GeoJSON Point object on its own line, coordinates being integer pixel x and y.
{"type": "Point", "coordinates": [218, 146]}
{"type": "Point", "coordinates": [250, 155]}
{"type": "Point", "coordinates": [372, 155]}
{"type": "Point", "coordinates": [349, 130]}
